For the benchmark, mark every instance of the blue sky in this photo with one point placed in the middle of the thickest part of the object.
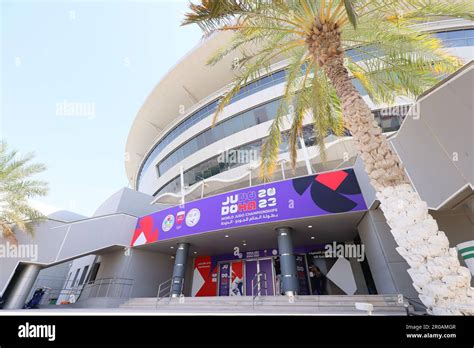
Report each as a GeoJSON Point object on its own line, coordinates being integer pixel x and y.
{"type": "Point", "coordinates": [102, 55]}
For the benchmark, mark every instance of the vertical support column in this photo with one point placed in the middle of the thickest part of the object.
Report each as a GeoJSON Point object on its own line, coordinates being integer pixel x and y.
{"type": "Point", "coordinates": [282, 166]}
{"type": "Point", "coordinates": [17, 296]}
{"type": "Point", "coordinates": [179, 269]}
{"type": "Point", "coordinates": [309, 168]}
{"type": "Point", "coordinates": [183, 189]}
{"type": "Point", "coordinates": [289, 276]}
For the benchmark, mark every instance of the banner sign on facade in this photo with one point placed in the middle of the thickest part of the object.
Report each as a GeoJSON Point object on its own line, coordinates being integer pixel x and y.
{"type": "Point", "coordinates": [313, 195]}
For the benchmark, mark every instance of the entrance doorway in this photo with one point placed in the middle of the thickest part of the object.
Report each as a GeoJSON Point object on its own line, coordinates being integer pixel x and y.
{"type": "Point", "coordinates": [252, 267]}
{"type": "Point", "coordinates": [235, 277]}
{"type": "Point", "coordinates": [231, 278]}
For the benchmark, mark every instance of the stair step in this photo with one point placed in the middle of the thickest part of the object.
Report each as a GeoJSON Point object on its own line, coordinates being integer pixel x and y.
{"type": "Point", "coordinates": [328, 304]}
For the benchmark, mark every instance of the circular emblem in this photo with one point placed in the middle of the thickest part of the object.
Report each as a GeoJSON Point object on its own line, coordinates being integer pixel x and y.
{"type": "Point", "coordinates": [168, 223]}
{"type": "Point", "coordinates": [192, 217]}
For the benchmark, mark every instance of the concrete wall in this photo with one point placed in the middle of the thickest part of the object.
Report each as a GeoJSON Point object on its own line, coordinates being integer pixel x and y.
{"type": "Point", "coordinates": [51, 277]}
{"type": "Point", "coordinates": [128, 201]}
{"type": "Point", "coordinates": [44, 248]}
{"type": "Point", "coordinates": [57, 242]}
{"type": "Point", "coordinates": [188, 279]}
{"type": "Point", "coordinates": [387, 266]}
{"type": "Point", "coordinates": [148, 269]}
{"type": "Point", "coordinates": [94, 234]}
{"type": "Point", "coordinates": [359, 277]}
{"type": "Point", "coordinates": [458, 224]}
{"type": "Point", "coordinates": [368, 192]}
{"type": "Point", "coordinates": [437, 146]}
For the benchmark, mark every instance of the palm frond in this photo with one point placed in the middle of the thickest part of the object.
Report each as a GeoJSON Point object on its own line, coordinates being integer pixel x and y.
{"type": "Point", "coordinates": [16, 188]}
{"type": "Point", "coordinates": [399, 58]}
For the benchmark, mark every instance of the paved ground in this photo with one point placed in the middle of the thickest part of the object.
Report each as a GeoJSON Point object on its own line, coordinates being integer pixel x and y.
{"type": "Point", "coordinates": [140, 312]}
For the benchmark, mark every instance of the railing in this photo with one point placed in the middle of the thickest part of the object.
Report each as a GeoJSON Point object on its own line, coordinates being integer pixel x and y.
{"type": "Point", "coordinates": [165, 289]}
{"type": "Point", "coordinates": [257, 284]}
{"type": "Point", "coordinates": [104, 287]}
{"type": "Point", "coordinates": [53, 295]}
{"type": "Point", "coordinates": [56, 289]}
{"type": "Point", "coordinates": [108, 287]}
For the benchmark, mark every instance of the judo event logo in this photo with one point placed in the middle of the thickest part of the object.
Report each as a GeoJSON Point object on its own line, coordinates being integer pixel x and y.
{"type": "Point", "coordinates": [249, 201]}
{"type": "Point", "coordinates": [193, 217]}
{"type": "Point", "coordinates": [168, 223]}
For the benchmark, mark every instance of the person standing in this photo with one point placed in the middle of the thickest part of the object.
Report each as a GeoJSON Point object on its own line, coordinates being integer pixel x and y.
{"type": "Point", "coordinates": [318, 281]}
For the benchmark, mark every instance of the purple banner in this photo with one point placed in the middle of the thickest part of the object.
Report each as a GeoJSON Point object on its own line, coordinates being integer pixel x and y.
{"type": "Point", "coordinates": [314, 195]}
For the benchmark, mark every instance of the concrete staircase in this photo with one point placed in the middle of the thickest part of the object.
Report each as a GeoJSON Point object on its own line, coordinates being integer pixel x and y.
{"type": "Point", "coordinates": [302, 305]}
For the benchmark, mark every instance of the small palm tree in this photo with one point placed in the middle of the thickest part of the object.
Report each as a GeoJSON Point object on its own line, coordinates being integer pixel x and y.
{"type": "Point", "coordinates": [314, 37]}
{"type": "Point", "coordinates": [16, 188]}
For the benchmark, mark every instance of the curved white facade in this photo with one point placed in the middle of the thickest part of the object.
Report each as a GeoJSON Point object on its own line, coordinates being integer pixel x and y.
{"type": "Point", "coordinates": [192, 85]}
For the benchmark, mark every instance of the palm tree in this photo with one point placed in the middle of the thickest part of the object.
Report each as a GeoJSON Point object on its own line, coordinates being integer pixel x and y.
{"type": "Point", "coordinates": [16, 188]}
{"type": "Point", "coordinates": [317, 38]}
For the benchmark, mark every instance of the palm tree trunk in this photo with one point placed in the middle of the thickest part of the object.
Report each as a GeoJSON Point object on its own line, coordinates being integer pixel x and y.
{"type": "Point", "coordinates": [442, 283]}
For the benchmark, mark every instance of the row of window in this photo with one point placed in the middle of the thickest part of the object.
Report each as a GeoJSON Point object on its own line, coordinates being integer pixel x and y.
{"type": "Point", "coordinates": [253, 87]}
{"type": "Point", "coordinates": [457, 38]}
{"type": "Point", "coordinates": [247, 119]}
{"type": "Point", "coordinates": [454, 38]}
{"type": "Point", "coordinates": [225, 161]}
{"type": "Point", "coordinates": [91, 276]}
{"type": "Point", "coordinates": [77, 282]}
{"type": "Point", "coordinates": [250, 118]}
{"type": "Point", "coordinates": [389, 119]}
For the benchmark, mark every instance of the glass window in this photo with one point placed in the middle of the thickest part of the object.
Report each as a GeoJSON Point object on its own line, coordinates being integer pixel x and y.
{"type": "Point", "coordinates": [248, 120]}
{"type": "Point", "coordinates": [229, 127]}
{"type": "Point", "coordinates": [187, 150]}
{"type": "Point", "coordinates": [212, 167]}
{"type": "Point", "coordinates": [451, 38]}
{"type": "Point", "coordinates": [83, 275]}
{"type": "Point", "coordinates": [75, 278]}
{"type": "Point", "coordinates": [272, 109]}
{"type": "Point", "coordinates": [193, 146]}
{"type": "Point", "coordinates": [261, 115]}
{"type": "Point", "coordinates": [218, 132]}
{"type": "Point", "coordinates": [215, 169]}
{"type": "Point", "coordinates": [201, 141]}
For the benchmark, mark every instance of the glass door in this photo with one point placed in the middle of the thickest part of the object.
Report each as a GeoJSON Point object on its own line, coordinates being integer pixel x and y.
{"type": "Point", "coordinates": [252, 267]}
{"type": "Point", "coordinates": [266, 266]}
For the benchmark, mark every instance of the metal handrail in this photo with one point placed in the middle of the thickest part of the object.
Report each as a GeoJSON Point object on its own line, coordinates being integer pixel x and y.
{"type": "Point", "coordinates": [114, 282]}
{"type": "Point", "coordinates": [258, 278]}
{"type": "Point", "coordinates": [167, 286]}
{"type": "Point", "coordinates": [115, 288]}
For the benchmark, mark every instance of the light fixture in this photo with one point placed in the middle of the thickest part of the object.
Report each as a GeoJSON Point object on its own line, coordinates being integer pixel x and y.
{"type": "Point", "coordinates": [310, 226]}
{"type": "Point", "coordinates": [195, 252]}
{"type": "Point", "coordinates": [312, 237]}
{"type": "Point", "coordinates": [227, 236]}
{"type": "Point", "coordinates": [244, 244]}
{"type": "Point", "coordinates": [172, 247]}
